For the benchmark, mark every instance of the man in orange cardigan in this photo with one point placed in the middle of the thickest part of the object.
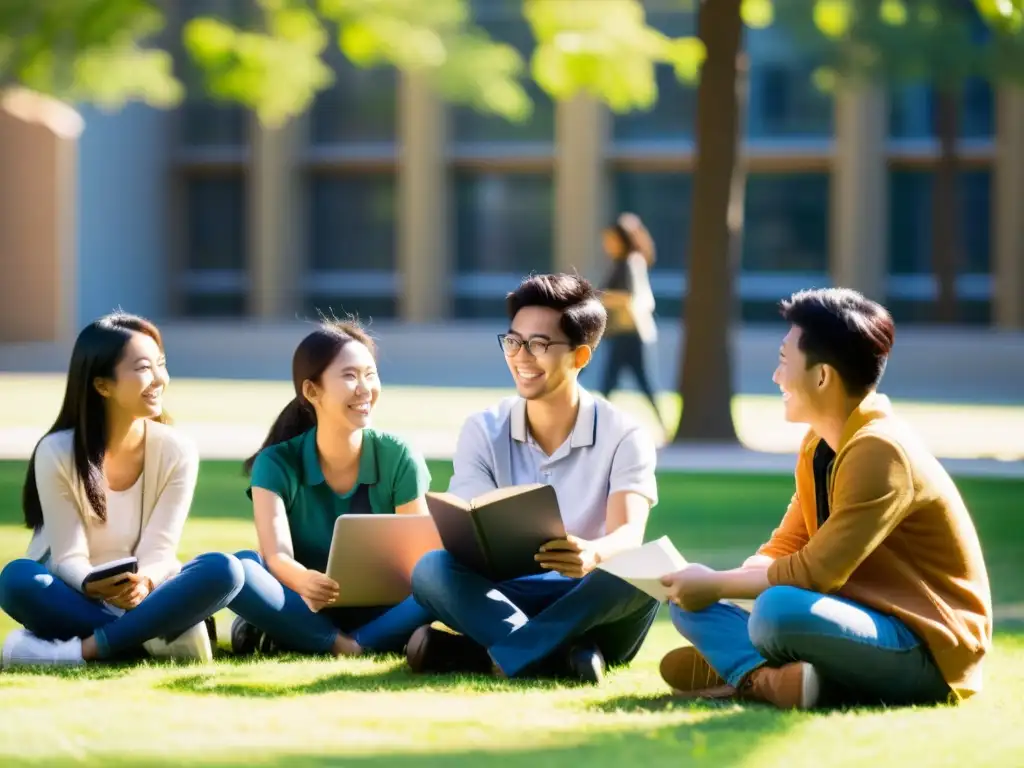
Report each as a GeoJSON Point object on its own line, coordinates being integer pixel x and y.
{"type": "Point", "coordinates": [873, 588]}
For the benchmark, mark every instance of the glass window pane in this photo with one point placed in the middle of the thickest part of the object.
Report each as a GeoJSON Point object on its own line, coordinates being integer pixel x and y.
{"type": "Point", "coordinates": [785, 225]}
{"type": "Point", "coordinates": [503, 222]}
{"type": "Point", "coordinates": [503, 227]}
{"type": "Point", "coordinates": [783, 100]}
{"type": "Point", "coordinates": [214, 305]}
{"type": "Point", "coordinates": [910, 221]}
{"type": "Point", "coordinates": [504, 23]}
{"type": "Point", "coordinates": [215, 223]}
{"type": "Point", "coordinates": [672, 117]}
{"type": "Point", "coordinates": [663, 201]}
{"type": "Point", "coordinates": [359, 107]}
{"type": "Point", "coordinates": [912, 111]}
{"type": "Point", "coordinates": [352, 222]}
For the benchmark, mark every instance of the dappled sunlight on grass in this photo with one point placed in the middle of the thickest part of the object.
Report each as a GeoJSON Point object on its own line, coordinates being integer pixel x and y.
{"type": "Point", "coordinates": [372, 712]}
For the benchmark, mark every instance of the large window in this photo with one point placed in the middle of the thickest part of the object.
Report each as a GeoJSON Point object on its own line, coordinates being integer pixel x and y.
{"type": "Point", "coordinates": [912, 112]}
{"type": "Point", "coordinates": [784, 103]}
{"type": "Point", "coordinates": [786, 223]}
{"type": "Point", "coordinates": [502, 190]}
{"type": "Point", "coordinates": [503, 231]}
{"type": "Point", "coordinates": [350, 194]}
{"type": "Point", "coordinates": [912, 286]}
{"type": "Point", "coordinates": [211, 277]}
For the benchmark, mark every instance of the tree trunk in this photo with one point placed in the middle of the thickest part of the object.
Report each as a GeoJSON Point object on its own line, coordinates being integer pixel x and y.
{"type": "Point", "coordinates": [705, 377]}
{"type": "Point", "coordinates": [945, 207]}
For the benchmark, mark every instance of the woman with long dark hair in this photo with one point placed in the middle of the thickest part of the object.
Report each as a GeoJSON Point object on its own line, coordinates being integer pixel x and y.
{"type": "Point", "coordinates": [319, 461]}
{"type": "Point", "coordinates": [111, 481]}
{"type": "Point", "coordinates": [631, 332]}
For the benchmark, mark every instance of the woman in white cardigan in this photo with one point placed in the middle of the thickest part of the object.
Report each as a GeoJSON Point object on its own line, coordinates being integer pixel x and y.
{"type": "Point", "coordinates": [111, 480]}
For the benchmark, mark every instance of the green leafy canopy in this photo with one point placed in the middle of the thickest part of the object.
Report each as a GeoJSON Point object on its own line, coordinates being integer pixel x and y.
{"type": "Point", "coordinates": [271, 59]}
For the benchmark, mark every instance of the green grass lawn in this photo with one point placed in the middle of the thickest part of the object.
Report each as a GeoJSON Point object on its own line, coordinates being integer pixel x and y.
{"type": "Point", "coordinates": [371, 712]}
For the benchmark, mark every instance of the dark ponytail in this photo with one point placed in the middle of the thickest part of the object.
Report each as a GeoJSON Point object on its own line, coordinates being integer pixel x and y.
{"type": "Point", "coordinates": [297, 417]}
{"type": "Point", "coordinates": [311, 358]}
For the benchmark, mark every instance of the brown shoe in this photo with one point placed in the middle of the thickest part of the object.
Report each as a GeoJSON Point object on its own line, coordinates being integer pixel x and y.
{"type": "Point", "coordinates": [791, 686]}
{"type": "Point", "coordinates": [690, 676]}
{"type": "Point", "coordinates": [436, 650]}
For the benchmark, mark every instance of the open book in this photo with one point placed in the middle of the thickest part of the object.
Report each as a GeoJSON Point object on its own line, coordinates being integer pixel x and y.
{"type": "Point", "coordinates": [645, 567]}
{"type": "Point", "coordinates": [498, 534]}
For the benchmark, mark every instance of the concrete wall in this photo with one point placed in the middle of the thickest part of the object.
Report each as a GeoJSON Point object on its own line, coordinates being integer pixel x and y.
{"type": "Point", "coordinates": [38, 137]}
{"type": "Point", "coordinates": [124, 183]}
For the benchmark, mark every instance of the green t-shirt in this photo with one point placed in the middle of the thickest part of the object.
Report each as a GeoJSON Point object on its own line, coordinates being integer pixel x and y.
{"type": "Point", "coordinates": [393, 472]}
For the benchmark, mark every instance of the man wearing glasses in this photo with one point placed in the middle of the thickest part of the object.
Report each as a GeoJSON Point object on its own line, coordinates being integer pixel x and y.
{"type": "Point", "coordinates": [572, 619]}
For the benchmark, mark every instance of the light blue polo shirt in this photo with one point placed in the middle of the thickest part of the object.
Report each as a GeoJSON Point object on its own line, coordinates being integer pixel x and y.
{"type": "Point", "coordinates": [606, 452]}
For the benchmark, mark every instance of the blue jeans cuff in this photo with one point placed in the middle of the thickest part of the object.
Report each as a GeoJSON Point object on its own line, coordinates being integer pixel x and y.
{"type": "Point", "coordinates": [510, 661]}
{"type": "Point", "coordinates": [736, 678]}
{"type": "Point", "coordinates": [102, 646]}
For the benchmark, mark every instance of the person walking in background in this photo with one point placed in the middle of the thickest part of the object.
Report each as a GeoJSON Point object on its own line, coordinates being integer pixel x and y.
{"type": "Point", "coordinates": [319, 461]}
{"type": "Point", "coordinates": [632, 331]}
{"type": "Point", "coordinates": [112, 480]}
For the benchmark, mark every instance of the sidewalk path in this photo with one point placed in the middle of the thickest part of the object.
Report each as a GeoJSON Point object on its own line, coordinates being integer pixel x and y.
{"type": "Point", "coordinates": [963, 365]}
{"type": "Point", "coordinates": [228, 419]}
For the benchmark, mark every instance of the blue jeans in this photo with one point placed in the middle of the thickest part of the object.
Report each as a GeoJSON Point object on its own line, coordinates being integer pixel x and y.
{"type": "Point", "coordinates": [50, 609]}
{"type": "Point", "coordinates": [280, 612]}
{"type": "Point", "coordinates": [524, 621]}
{"type": "Point", "coordinates": [862, 656]}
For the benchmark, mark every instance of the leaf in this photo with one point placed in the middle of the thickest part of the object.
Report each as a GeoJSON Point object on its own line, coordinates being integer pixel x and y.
{"type": "Point", "coordinates": [893, 12]}
{"type": "Point", "coordinates": [606, 50]}
{"type": "Point", "coordinates": [687, 55]}
{"type": "Point", "coordinates": [825, 79]}
{"type": "Point", "coordinates": [833, 17]}
{"type": "Point", "coordinates": [758, 14]}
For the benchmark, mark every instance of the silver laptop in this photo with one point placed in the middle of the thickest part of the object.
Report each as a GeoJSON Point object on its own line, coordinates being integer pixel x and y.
{"type": "Point", "coordinates": [372, 557]}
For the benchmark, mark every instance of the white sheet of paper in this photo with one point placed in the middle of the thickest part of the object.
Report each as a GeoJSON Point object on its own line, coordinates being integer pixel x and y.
{"type": "Point", "coordinates": [645, 567]}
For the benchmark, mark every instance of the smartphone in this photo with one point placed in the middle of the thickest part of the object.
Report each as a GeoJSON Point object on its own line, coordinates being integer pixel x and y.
{"type": "Point", "coordinates": [124, 566]}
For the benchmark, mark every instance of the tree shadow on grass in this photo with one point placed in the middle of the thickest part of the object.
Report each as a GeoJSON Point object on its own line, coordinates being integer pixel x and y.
{"type": "Point", "coordinates": [722, 738]}
{"type": "Point", "coordinates": [396, 678]}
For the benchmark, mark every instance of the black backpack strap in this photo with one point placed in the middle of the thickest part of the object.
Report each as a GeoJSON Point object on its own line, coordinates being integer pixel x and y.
{"type": "Point", "coordinates": [360, 504]}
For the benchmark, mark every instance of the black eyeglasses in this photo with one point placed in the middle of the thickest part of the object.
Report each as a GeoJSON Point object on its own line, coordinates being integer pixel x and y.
{"type": "Point", "coordinates": [511, 345]}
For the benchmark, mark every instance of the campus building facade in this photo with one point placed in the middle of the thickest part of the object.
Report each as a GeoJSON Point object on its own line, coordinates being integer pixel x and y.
{"type": "Point", "coordinates": [383, 201]}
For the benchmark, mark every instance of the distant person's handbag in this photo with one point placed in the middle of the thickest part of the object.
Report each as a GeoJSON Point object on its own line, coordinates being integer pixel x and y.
{"type": "Point", "coordinates": [620, 312]}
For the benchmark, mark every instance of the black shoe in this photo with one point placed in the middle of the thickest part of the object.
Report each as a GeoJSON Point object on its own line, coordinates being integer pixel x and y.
{"type": "Point", "coordinates": [586, 663]}
{"type": "Point", "coordinates": [211, 630]}
{"type": "Point", "coordinates": [248, 640]}
{"type": "Point", "coordinates": [432, 650]}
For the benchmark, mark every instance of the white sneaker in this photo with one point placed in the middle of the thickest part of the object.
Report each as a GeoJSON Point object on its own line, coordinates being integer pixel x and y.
{"type": "Point", "coordinates": [192, 645]}
{"type": "Point", "coordinates": [22, 648]}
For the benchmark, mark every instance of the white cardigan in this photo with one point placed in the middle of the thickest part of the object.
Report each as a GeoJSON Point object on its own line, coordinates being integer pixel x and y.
{"type": "Point", "coordinates": [169, 474]}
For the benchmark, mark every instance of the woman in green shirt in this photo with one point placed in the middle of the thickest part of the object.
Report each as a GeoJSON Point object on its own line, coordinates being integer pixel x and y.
{"type": "Point", "coordinates": [321, 460]}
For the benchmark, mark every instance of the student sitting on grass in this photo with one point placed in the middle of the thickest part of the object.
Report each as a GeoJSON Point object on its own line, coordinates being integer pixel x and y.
{"type": "Point", "coordinates": [321, 460]}
{"type": "Point", "coordinates": [873, 588]}
{"type": "Point", "coordinates": [111, 480]}
{"type": "Point", "coordinates": [571, 619]}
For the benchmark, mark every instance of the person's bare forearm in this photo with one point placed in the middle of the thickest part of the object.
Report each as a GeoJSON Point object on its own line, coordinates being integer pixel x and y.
{"type": "Point", "coordinates": [627, 536]}
{"type": "Point", "coordinates": [285, 569]}
{"type": "Point", "coordinates": [744, 583]}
